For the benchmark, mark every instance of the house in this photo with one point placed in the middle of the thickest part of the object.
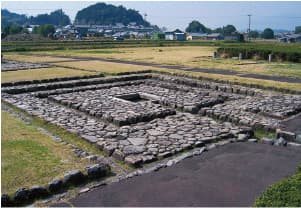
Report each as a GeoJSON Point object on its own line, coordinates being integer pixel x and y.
{"type": "Point", "coordinates": [235, 36]}
{"type": "Point", "coordinates": [169, 36]}
{"type": "Point", "coordinates": [179, 36]}
{"type": "Point", "coordinates": [291, 38]}
{"type": "Point", "coordinates": [195, 36]}
{"type": "Point", "coordinates": [214, 36]}
{"type": "Point", "coordinates": [205, 36]}
{"type": "Point", "coordinates": [175, 35]}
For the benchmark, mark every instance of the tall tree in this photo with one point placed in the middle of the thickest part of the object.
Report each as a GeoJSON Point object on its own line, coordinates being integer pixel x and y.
{"type": "Point", "coordinates": [58, 18]}
{"type": "Point", "coordinates": [44, 30]}
{"type": "Point", "coordinates": [268, 33]}
{"type": "Point", "coordinates": [196, 27]}
{"type": "Point", "coordinates": [298, 29]}
{"type": "Point", "coordinates": [254, 34]}
{"type": "Point", "coordinates": [229, 29]}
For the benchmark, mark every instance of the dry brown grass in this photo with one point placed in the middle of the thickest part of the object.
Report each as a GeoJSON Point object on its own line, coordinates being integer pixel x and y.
{"type": "Point", "coordinates": [191, 56]}
{"type": "Point", "coordinates": [103, 66]}
{"type": "Point", "coordinates": [236, 79]}
{"type": "Point", "coordinates": [37, 74]}
{"type": "Point", "coordinates": [32, 58]}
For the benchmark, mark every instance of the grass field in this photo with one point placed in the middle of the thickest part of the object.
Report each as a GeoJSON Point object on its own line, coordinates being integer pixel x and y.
{"type": "Point", "coordinates": [33, 59]}
{"type": "Point", "coordinates": [284, 69]}
{"type": "Point", "coordinates": [45, 73]}
{"type": "Point", "coordinates": [235, 79]}
{"type": "Point", "coordinates": [30, 157]}
{"type": "Point", "coordinates": [191, 56]}
{"type": "Point", "coordinates": [103, 66]}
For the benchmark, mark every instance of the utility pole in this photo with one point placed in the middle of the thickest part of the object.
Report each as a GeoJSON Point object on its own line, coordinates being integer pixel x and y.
{"type": "Point", "coordinates": [249, 30]}
{"type": "Point", "coordinates": [145, 15]}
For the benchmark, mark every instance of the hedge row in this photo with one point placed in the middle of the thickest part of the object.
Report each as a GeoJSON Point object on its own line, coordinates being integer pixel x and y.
{"type": "Point", "coordinates": [64, 45]}
{"type": "Point", "coordinates": [292, 54]}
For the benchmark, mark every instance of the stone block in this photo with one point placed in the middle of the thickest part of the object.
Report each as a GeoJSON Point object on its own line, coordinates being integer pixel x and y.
{"type": "Point", "coordinates": [97, 171]}
{"type": "Point", "coordinates": [73, 177]}
{"type": "Point", "coordinates": [55, 186]}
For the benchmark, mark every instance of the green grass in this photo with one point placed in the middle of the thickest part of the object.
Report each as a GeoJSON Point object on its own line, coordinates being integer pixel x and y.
{"type": "Point", "coordinates": [65, 135]}
{"type": "Point", "coordinates": [286, 193]}
{"type": "Point", "coordinates": [30, 157]}
{"type": "Point", "coordinates": [260, 133]}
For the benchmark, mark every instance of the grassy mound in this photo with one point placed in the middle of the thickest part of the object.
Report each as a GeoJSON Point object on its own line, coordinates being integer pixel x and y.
{"type": "Point", "coordinates": [286, 193]}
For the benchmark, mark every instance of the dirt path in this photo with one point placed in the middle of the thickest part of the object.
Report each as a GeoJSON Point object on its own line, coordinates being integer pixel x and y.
{"type": "Point", "coordinates": [193, 69]}
{"type": "Point", "coordinates": [233, 175]}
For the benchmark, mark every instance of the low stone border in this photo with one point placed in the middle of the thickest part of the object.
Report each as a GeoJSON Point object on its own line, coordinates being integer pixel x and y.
{"type": "Point", "coordinates": [290, 136]}
{"type": "Point", "coordinates": [72, 83]}
{"type": "Point", "coordinates": [298, 92]}
{"type": "Point", "coordinates": [40, 81]}
{"type": "Point", "coordinates": [25, 196]}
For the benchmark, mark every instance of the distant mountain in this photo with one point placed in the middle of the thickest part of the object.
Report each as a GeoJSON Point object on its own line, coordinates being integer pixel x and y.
{"type": "Point", "coordinates": [281, 31]}
{"type": "Point", "coordinates": [10, 18]}
{"type": "Point", "coordinates": [58, 18]}
{"type": "Point", "coordinates": [107, 14]}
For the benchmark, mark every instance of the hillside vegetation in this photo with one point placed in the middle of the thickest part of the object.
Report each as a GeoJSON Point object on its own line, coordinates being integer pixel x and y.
{"type": "Point", "coordinates": [107, 14]}
{"type": "Point", "coordinates": [57, 17]}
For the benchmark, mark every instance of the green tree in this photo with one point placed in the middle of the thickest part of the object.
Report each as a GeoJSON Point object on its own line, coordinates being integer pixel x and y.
{"type": "Point", "coordinates": [297, 29]}
{"type": "Point", "coordinates": [254, 34]}
{"type": "Point", "coordinates": [13, 29]}
{"type": "Point", "coordinates": [241, 38]}
{"type": "Point", "coordinates": [196, 26]}
{"type": "Point", "coordinates": [57, 17]}
{"type": "Point", "coordinates": [9, 18]}
{"type": "Point", "coordinates": [268, 33]}
{"type": "Point", "coordinates": [229, 29]}
{"type": "Point", "coordinates": [218, 30]}
{"type": "Point", "coordinates": [106, 14]}
{"type": "Point", "coordinates": [44, 30]}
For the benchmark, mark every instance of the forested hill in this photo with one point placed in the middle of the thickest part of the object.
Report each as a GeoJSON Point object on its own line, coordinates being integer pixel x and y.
{"type": "Point", "coordinates": [57, 17]}
{"type": "Point", "coordinates": [10, 18]}
{"type": "Point", "coordinates": [106, 14]}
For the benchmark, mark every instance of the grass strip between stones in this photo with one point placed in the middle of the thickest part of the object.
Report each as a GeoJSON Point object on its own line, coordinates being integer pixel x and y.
{"type": "Point", "coordinates": [65, 135]}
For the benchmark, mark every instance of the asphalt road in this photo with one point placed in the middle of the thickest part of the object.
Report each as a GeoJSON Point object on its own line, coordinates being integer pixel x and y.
{"type": "Point", "coordinates": [233, 175]}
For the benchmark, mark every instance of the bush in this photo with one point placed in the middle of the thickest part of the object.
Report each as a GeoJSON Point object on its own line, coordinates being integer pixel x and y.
{"type": "Point", "coordinates": [285, 193]}
{"type": "Point", "coordinates": [44, 30]}
{"type": "Point", "coordinates": [283, 52]}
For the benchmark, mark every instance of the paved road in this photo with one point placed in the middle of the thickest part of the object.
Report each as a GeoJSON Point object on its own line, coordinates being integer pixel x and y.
{"type": "Point", "coordinates": [232, 175]}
